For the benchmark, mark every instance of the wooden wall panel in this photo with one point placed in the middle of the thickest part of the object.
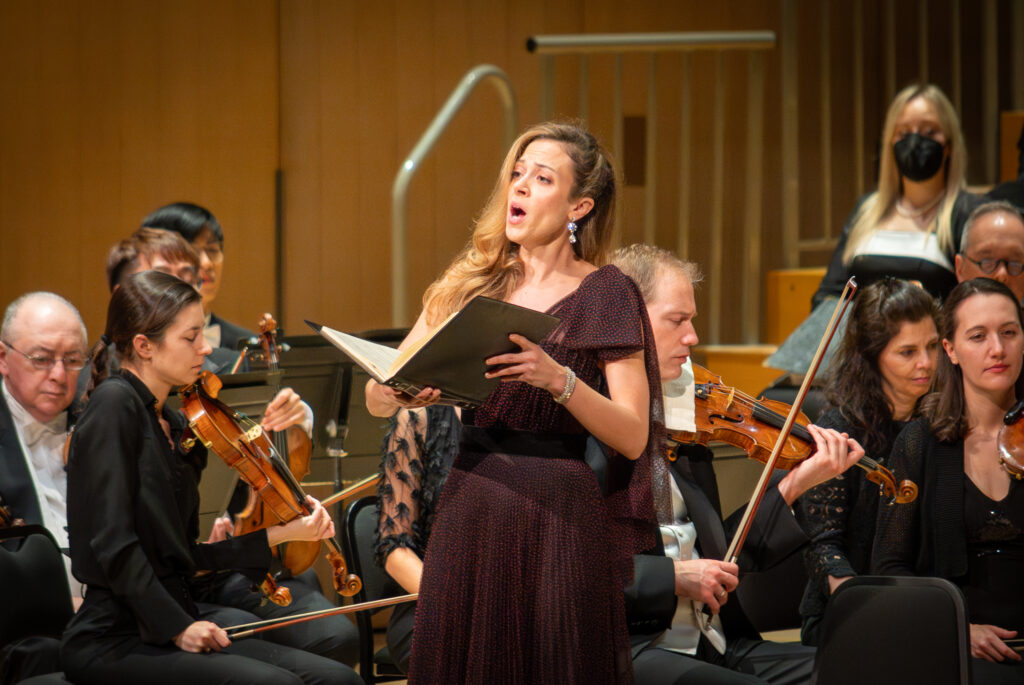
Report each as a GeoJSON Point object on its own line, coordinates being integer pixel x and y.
{"type": "Point", "coordinates": [389, 77]}
{"type": "Point", "coordinates": [113, 108]}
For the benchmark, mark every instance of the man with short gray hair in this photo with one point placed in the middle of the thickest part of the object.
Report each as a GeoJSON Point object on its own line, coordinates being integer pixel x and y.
{"type": "Point", "coordinates": [42, 351]}
{"type": "Point", "coordinates": [992, 246]}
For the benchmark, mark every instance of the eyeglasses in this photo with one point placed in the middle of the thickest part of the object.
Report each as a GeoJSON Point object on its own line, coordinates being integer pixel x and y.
{"type": "Point", "coordinates": [989, 266]}
{"type": "Point", "coordinates": [45, 363]}
{"type": "Point", "coordinates": [214, 251]}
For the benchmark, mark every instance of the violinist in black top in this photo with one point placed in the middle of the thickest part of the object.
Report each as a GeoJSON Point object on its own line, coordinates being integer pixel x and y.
{"type": "Point", "coordinates": [133, 516]}
{"type": "Point", "coordinates": [967, 525]}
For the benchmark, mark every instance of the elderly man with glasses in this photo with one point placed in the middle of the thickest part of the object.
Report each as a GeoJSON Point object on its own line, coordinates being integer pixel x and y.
{"type": "Point", "coordinates": [992, 246]}
{"type": "Point", "coordinates": [42, 351]}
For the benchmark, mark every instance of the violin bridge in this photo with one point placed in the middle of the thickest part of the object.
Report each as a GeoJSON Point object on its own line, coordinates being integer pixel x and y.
{"type": "Point", "coordinates": [254, 432]}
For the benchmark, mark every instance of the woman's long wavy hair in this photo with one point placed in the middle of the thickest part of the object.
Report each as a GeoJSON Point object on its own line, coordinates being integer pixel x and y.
{"type": "Point", "coordinates": [489, 264]}
{"type": "Point", "coordinates": [890, 187]}
{"type": "Point", "coordinates": [147, 303]}
{"type": "Point", "coordinates": [946, 407]}
{"type": "Point", "coordinates": [855, 384]}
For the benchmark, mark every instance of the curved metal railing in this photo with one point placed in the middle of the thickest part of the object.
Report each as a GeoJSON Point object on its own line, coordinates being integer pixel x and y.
{"type": "Point", "coordinates": [400, 189]}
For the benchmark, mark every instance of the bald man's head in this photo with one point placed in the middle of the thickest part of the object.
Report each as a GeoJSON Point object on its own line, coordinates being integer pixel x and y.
{"type": "Point", "coordinates": [43, 346]}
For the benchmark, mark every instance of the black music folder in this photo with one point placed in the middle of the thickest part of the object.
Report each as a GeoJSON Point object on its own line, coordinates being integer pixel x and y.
{"type": "Point", "coordinates": [451, 357]}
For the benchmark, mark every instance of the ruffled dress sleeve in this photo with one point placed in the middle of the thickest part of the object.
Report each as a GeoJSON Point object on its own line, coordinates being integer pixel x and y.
{"type": "Point", "coordinates": [608, 321]}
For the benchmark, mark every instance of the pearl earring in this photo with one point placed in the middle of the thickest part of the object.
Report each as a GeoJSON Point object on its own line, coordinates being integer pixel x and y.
{"type": "Point", "coordinates": [572, 231]}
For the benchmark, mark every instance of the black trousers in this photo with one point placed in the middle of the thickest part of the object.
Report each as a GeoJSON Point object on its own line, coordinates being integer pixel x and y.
{"type": "Point", "coordinates": [248, 661]}
{"type": "Point", "coordinates": [991, 673]}
{"type": "Point", "coordinates": [399, 635]}
{"type": "Point", "coordinates": [29, 657]}
{"type": "Point", "coordinates": [745, 662]}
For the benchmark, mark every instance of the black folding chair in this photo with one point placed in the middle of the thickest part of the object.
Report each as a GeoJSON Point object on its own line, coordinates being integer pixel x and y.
{"type": "Point", "coordinates": [36, 603]}
{"type": "Point", "coordinates": [892, 631]}
{"type": "Point", "coordinates": [359, 532]}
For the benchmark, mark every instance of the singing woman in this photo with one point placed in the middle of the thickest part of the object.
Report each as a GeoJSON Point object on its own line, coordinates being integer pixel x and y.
{"type": "Point", "coordinates": [522, 579]}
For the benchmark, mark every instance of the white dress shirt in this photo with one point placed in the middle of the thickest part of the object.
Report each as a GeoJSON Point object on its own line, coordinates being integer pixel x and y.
{"type": "Point", "coordinates": [680, 537]}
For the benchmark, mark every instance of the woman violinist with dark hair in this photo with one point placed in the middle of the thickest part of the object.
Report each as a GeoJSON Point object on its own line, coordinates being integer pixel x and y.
{"type": "Point", "coordinates": [967, 524]}
{"type": "Point", "coordinates": [881, 371]}
{"type": "Point", "coordinates": [133, 515]}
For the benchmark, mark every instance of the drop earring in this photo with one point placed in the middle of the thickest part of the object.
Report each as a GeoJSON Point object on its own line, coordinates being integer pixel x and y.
{"type": "Point", "coordinates": [572, 231]}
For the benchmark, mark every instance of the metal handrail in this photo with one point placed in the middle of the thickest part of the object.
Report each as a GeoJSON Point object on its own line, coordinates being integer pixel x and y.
{"type": "Point", "coordinates": [649, 42]}
{"type": "Point", "coordinates": [400, 188]}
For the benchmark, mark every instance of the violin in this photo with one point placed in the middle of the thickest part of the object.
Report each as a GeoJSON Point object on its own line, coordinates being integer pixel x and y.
{"type": "Point", "coordinates": [245, 447]}
{"type": "Point", "coordinates": [727, 415]}
{"type": "Point", "coordinates": [295, 449]}
{"type": "Point", "coordinates": [1010, 442]}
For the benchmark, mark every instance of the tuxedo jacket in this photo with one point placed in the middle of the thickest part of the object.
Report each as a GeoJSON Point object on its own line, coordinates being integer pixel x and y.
{"type": "Point", "coordinates": [16, 488]}
{"type": "Point", "coordinates": [773, 537]}
{"type": "Point", "coordinates": [230, 333]}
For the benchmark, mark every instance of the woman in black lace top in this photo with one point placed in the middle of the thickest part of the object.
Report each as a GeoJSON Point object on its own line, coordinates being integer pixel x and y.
{"type": "Point", "coordinates": [418, 451]}
{"type": "Point", "coordinates": [883, 368]}
{"type": "Point", "coordinates": [967, 524]}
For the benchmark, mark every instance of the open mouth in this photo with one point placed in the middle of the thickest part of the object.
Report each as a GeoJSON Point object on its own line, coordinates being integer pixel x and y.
{"type": "Point", "coordinates": [516, 213]}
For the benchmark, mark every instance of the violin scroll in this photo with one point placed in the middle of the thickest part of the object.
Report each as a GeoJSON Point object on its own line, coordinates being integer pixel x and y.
{"type": "Point", "coordinates": [278, 594]}
{"type": "Point", "coordinates": [346, 584]}
{"type": "Point", "coordinates": [904, 493]}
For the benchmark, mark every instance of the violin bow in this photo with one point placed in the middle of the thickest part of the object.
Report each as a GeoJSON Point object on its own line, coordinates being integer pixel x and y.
{"type": "Point", "coordinates": [243, 630]}
{"type": "Point", "coordinates": [732, 555]}
{"type": "Point", "coordinates": [358, 486]}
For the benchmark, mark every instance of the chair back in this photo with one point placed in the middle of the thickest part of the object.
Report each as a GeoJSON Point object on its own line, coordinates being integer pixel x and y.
{"type": "Point", "coordinates": [882, 630]}
{"type": "Point", "coordinates": [358, 535]}
{"type": "Point", "coordinates": [34, 589]}
{"type": "Point", "coordinates": [360, 530]}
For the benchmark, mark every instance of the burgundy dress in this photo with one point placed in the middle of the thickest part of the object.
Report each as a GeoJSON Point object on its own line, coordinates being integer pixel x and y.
{"type": "Point", "coordinates": [524, 573]}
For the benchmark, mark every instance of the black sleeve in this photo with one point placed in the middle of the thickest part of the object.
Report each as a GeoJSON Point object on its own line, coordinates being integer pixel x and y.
{"type": "Point", "coordinates": [898, 531]}
{"type": "Point", "coordinates": [774, 534]}
{"type": "Point", "coordinates": [248, 554]}
{"type": "Point", "coordinates": [103, 484]}
{"type": "Point", "coordinates": [651, 599]}
{"type": "Point", "coordinates": [823, 512]}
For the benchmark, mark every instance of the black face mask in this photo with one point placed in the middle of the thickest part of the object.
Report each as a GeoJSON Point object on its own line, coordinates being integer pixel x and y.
{"type": "Point", "coordinates": [918, 158]}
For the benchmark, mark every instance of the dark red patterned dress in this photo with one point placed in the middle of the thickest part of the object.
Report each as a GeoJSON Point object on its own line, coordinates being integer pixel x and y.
{"type": "Point", "coordinates": [527, 559]}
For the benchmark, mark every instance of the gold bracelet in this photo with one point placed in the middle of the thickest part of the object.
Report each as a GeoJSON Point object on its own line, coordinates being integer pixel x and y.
{"type": "Point", "coordinates": [570, 385]}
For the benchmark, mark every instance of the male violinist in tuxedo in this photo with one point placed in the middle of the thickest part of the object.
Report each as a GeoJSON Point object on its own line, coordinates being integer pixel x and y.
{"type": "Point", "coordinates": [670, 642]}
